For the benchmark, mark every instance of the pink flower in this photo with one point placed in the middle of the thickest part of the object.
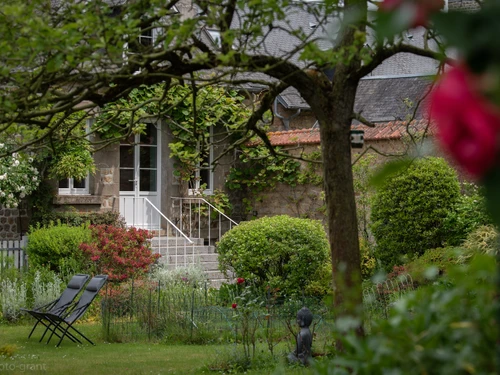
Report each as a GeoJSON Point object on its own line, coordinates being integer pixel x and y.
{"type": "Point", "coordinates": [417, 11]}
{"type": "Point", "coordinates": [468, 124]}
{"type": "Point", "coordinates": [234, 305]}
{"type": "Point", "coordinates": [240, 280]}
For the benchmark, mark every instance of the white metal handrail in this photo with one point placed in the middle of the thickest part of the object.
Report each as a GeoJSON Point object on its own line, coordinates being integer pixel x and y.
{"type": "Point", "coordinates": [194, 217]}
{"type": "Point", "coordinates": [169, 221]}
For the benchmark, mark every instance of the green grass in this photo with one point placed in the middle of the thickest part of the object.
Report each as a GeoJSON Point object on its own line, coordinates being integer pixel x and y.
{"type": "Point", "coordinates": [33, 357]}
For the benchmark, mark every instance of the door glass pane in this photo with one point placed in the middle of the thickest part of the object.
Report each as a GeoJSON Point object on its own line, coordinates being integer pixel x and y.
{"type": "Point", "coordinates": [205, 178]}
{"type": "Point", "coordinates": [150, 136]}
{"type": "Point", "coordinates": [126, 177]}
{"type": "Point", "coordinates": [148, 180]}
{"type": "Point", "coordinates": [148, 157]}
{"type": "Point", "coordinates": [126, 156]}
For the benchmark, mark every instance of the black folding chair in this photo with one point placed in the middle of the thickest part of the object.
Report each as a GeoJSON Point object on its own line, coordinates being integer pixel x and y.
{"type": "Point", "coordinates": [60, 305]}
{"type": "Point", "coordinates": [62, 324]}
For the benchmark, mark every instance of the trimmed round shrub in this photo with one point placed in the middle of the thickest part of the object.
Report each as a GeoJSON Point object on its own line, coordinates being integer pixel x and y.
{"type": "Point", "coordinates": [57, 247]}
{"type": "Point", "coordinates": [279, 252]}
{"type": "Point", "coordinates": [410, 208]}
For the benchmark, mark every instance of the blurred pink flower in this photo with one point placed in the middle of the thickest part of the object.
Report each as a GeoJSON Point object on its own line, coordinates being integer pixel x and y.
{"type": "Point", "coordinates": [418, 10]}
{"type": "Point", "coordinates": [468, 124]}
{"type": "Point", "coordinates": [234, 305]}
{"type": "Point", "coordinates": [240, 280]}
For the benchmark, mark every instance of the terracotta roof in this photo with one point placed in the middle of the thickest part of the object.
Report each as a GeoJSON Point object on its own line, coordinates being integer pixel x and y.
{"type": "Point", "coordinates": [383, 131]}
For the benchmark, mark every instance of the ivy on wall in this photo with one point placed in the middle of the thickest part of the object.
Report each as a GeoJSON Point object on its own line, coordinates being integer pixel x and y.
{"type": "Point", "coordinates": [189, 113]}
{"type": "Point", "coordinates": [257, 171]}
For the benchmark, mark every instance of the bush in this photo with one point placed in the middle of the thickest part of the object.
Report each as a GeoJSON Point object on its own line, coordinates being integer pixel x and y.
{"type": "Point", "coordinates": [57, 247]}
{"type": "Point", "coordinates": [469, 213]}
{"type": "Point", "coordinates": [368, 262]}
{"type": "Point", "coordinates": [74, 218]}
{"type": "Point", "coordinates": [409, 210]}
{"type": "Point", "coordinates": [444, 328]}
{"type": "Point", "coordinates": [280, 252]}
{"type": "Point", "coordinates": [441, 259]}
{"type": "Point", "coordinates": [119, 253]}
{"type": "Point", "coordinates": [483, 240]}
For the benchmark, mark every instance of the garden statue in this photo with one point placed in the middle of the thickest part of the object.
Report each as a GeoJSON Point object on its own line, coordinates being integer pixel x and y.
{"type": "Point", "coordinates": [302, 351]}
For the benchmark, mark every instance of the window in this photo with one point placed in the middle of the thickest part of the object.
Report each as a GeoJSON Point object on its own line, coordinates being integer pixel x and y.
{"type": "Point", "coordinates": [144, 42]}
{"type": "Point", "coordinates": [215, 37]}
{"type": "Point", "coordinates": [71, 186]}
{"type": "Point", "coordinates": [149, 36]}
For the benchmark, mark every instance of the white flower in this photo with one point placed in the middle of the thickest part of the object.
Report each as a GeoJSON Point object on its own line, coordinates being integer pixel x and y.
{"type": "Point", "coordinates": [15, 163]}
{"type": "Point", "coordinates": [22, 188]}
{"type": "Point", "coordinates": [14, 205]}
{"type": "Point", "coordinates": [22, 195]}
{"type": "Point", "coordinates": [3, 176]}
{"type": "Point", "coordinates": [10, 195]}
{"type": "Point", "coordinates": [30, 160]}
{"type": "Point", "coordinates": [2, 194]}
{"type": "Point", "coordinates": [14, 155]}
{"type": "Point", "coordinates": [35, 178]}
{"type": "Point", "coordinates": [1, 145]}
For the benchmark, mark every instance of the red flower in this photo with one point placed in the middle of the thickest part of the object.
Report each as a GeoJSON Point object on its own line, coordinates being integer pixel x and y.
{"type": "Point", "coordinates": [234, 305]}
{"type": "Point", "coordinates": [416, 11]}
{"type": "Point", "coordinates": [240, 280]}
{"type": "Point", "coordinates": [468, 124]}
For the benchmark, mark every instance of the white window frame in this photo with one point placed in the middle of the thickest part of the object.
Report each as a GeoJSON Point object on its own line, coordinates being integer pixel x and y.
{"type": "Point", "coordinates": [155, 32]}
{"type": "Point", "coordinates": [215, 37]}
{"type": "Point", "coordinates": [71, 190]}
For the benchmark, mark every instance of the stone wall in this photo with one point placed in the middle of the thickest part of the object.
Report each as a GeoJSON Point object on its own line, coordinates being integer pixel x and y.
{"type": "Point", "coordinates": [13, 222]}
{"type": "Point", "coordinates": [308, 200]}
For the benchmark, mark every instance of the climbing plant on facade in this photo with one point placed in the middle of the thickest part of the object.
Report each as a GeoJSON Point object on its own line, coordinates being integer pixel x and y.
{"type": "Point", "coordinates": [195, 117]}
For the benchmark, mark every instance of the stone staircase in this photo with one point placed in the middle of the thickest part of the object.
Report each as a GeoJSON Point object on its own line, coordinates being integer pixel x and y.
{"type": "Point", "coordinates": [178, 252]}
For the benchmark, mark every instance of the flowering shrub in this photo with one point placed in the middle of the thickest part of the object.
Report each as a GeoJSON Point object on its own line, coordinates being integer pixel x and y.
{"type": "Point", "coordinates": [118, 252]}
{"type": "Point", "coordinates": [18, 177]}
{"type": "Point", "coordinates": [468, 123]}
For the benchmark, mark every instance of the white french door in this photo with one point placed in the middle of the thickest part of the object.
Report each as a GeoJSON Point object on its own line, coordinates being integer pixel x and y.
{"type": "Point", "coordinates": [140, 178]}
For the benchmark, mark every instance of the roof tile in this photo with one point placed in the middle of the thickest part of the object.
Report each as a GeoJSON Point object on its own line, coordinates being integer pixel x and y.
{"type": "Point", "coordinates": [383, 131]}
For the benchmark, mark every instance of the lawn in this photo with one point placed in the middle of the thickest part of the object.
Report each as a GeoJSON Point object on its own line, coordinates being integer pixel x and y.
{"type": "Point", "coordinates": [110, 358]}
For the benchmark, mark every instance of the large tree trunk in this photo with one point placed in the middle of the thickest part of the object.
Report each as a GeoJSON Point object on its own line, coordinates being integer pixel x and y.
{"type": "Point", "coordinates": [341, 207]}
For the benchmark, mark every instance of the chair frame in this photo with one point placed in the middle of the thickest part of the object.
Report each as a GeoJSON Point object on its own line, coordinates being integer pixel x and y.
{"type": "Point", "coordinates": [58, 306]}
{"type": "Point", "coordinates": [60, 325]}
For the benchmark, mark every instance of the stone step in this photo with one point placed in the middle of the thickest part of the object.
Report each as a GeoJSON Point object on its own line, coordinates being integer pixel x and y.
{"type": "Point", "coordinates": [175, 241]}
{"type": "Point", "coordinates": [204, 259]}
{"type": "Point", "coordinates": [181, 250]}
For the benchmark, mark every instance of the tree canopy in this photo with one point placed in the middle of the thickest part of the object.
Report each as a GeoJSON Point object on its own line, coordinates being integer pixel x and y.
{"type": "Point", "coordinates": [63, 57]}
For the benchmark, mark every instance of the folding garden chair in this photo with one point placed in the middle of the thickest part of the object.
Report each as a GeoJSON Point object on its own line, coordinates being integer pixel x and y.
{"type": "Point", "coordinates": [62, 324]}
{"type": "Point", "coordinates": [60, 305]}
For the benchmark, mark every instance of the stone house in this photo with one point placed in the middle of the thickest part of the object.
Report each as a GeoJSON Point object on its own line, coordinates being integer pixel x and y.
{"type": "Point", "coordinates": [128, 173]}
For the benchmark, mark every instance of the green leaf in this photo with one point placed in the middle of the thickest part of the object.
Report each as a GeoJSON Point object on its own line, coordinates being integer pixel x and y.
{"type": "Point", "coordinates": [388, 170]}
